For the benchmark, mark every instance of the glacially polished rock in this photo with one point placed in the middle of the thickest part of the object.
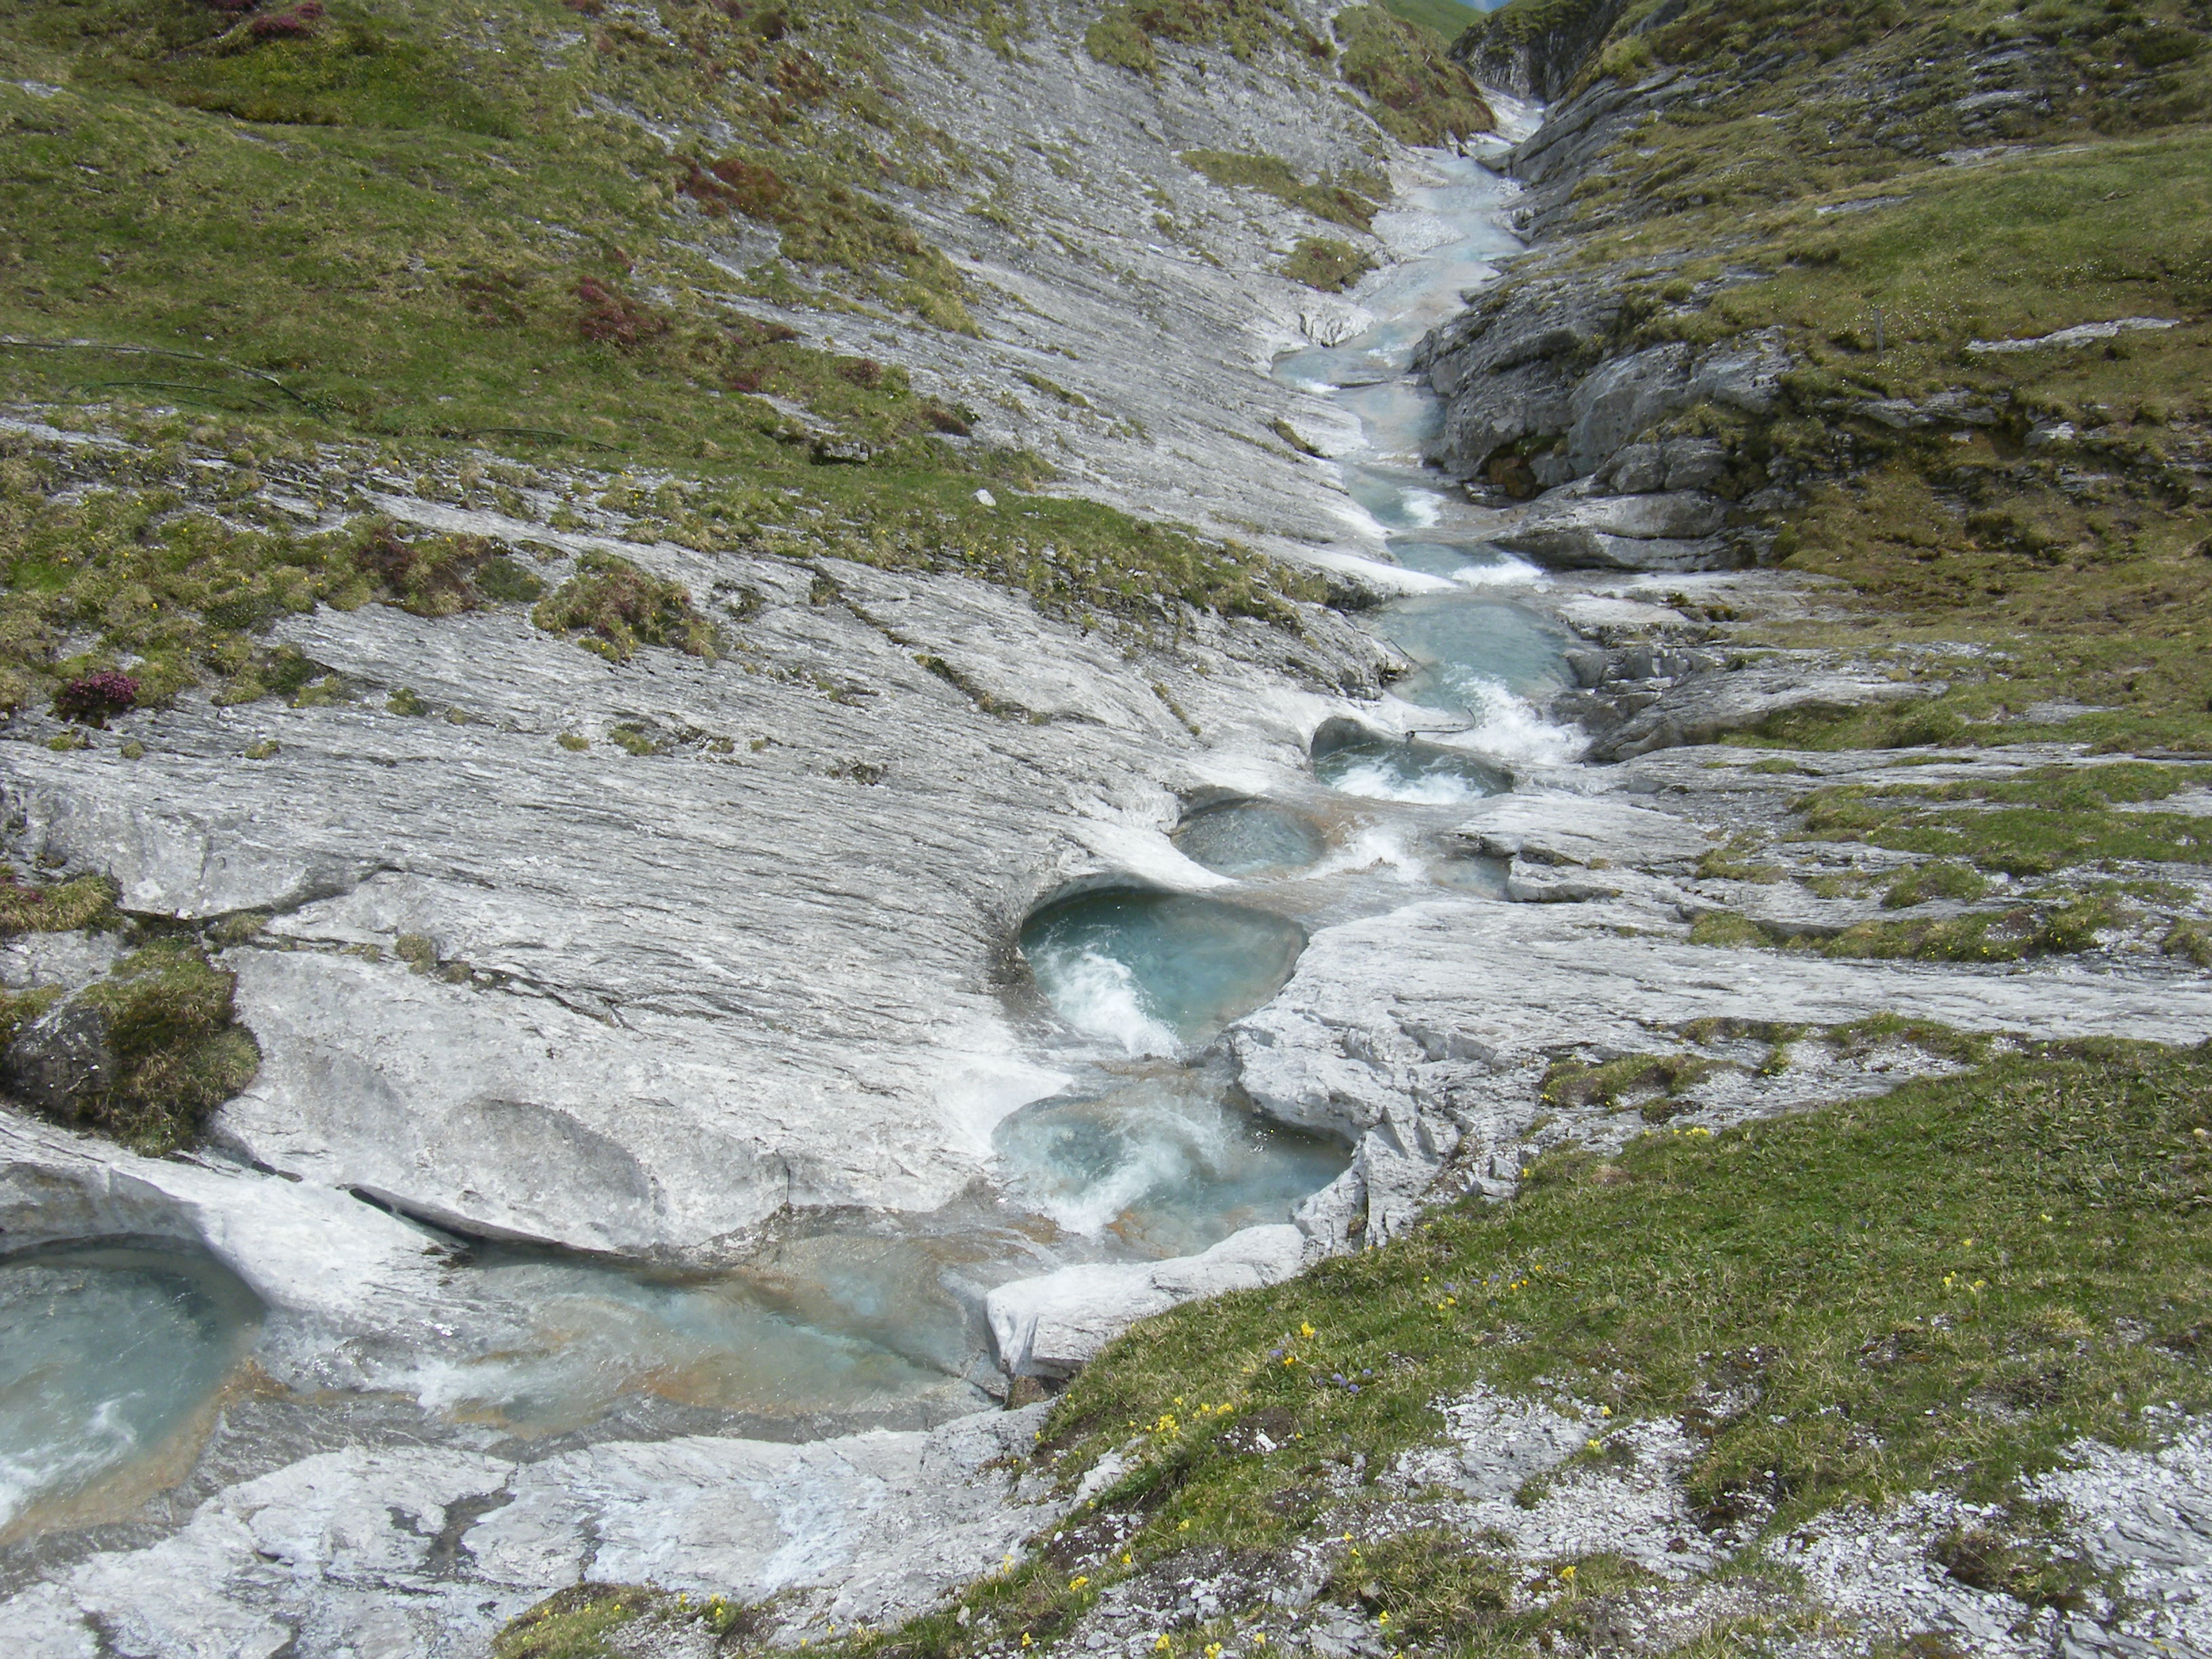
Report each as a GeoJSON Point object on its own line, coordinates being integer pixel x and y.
{"type": "Point", "coordinates": [1053, 1324]}
{"type": "Point", "coordinates": [409, 1553]}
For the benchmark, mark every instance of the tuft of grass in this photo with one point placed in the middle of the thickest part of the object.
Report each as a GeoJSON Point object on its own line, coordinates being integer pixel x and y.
{"type": "Point", "coordinates": [1339, 202]}
{"type": "Point", "coordinates": [1726, 928]}
{"type": "Point", "coordinates": [1863, 1037]}
{"type": "Point", "coordinates": [1731, 863]}
{"type": "Point", "coordinates": [19, 1008]}
{"type": "Point", "coordinates": [1615, 1084]}
{"type": "Point", "coordinates": [2001, 1561]}
{"type": "Point", "coordinates": [1428, 1585]}
{"type": "Point", "coordinates": [1052, 389]}
{"type": "Point", "coordinates": [2193, 939]}
{"type": "Point", "coordinates": [1431, 1582]}
{"type": "Point", "coordinates": [30, 907]}
{"type": "Point", "coordinates": [1323, 262]}
{"type": "Point", "coordinates": [619, 607]}
{"type": "Point", "coordinates": [178, 1049]}
{"type": "Point", "coordinates": [1942, 878]}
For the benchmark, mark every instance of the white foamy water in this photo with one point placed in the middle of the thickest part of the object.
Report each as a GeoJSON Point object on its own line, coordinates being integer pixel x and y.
{"type": "Point", "coordinates": [1379, 779]}
{"type": "Point", "coordinates": [1163, 1151]}
{"type": "Point", "coordinates": [1100, 996]}
{"type": "Point", "coordinates": [75, 1453]}
{"type": "Point", "coordinates": [1509, 728]}
{"type": "Point", "coordinates": [1507, 572]}
{"type": "Point", "coordinates": [1378, 847]}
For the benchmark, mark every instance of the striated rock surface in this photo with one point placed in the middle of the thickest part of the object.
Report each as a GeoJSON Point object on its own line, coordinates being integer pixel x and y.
{"type": "Point", "coordinates": [429, 1550]}
{"type": "Point", "coordinates": [675, 992]}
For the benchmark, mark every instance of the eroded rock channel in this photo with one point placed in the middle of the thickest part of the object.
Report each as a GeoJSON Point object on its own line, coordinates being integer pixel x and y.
{"type": "Point", "coordinates": [657, 1176]}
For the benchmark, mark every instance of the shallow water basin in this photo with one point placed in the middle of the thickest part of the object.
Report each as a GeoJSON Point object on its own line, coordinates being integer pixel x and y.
{"type": "Point", "coordinates": [1409, 770]}
{"type": "Point", "coordinates": [1470, 648]}
{"type": "Point", "coordinates": [1249, 838]}
{"type": "Point", "coordinates": [1153, 972]}
{"type": "Point", "coordinates": [113, 1356]}
{"type": "Point", "coordinates": [1162, 1163]}
{"type": "Point", "coordinates": [860, 1327]}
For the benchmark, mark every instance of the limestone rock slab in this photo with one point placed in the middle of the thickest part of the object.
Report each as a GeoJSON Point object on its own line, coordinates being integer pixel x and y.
{"type": "Point", "coordinates": [1052, 1324]}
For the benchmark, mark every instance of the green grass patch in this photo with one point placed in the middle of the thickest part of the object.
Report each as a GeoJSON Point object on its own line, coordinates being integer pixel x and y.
{"type": "Point", "coordinates": [1339, 202]}
{"type": "Point", "coordinates": [2191, 940]}
{"type": "Point", "coordinates": [19, 1008]}
{"type": "Point", "coordinates": [1326, 263]}
{"type": "Point", "coordinates": [1418, 93]}
{"type": "Point", "coordinates": [609, 1621]}
{"type": "Point", "coordinates": [1124, 35]}
{"type": "Point", "coordinates": [617, 607]}
{"type": "Point", "coordinates": [1732, 862]}
{"type": "Point", "coordinates": [32, 907]}
{"type": "Point", "coordinates": [2047, 819]}
{"type": "Point", "coordinates": [1651, 1081]}
{"type": "Point", "coordinates": [176, 1047]}
{"type": "Point", "coordinates": [125, 567]}
{"type": "Point", "coordinates": [1944, 1285]}
{"type": "Point", "coordinates": [2024, 930]}
{"type": "Point", "coordinates": [2066, 927]}
{"type": "Point", "coordinates": [1939, 879]}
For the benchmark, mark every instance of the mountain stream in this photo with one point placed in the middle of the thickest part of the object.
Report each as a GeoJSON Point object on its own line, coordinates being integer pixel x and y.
{"type": "Point", "coordinates": [114, 1359]}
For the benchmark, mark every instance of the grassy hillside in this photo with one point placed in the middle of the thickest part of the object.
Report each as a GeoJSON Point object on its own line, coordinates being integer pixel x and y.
{"type": "Point", "coordinates": [442, 218]}
{"type": "Point", "coordinates": [1894, 189]}
{"type": "Point", "coordinates": [259, 241]}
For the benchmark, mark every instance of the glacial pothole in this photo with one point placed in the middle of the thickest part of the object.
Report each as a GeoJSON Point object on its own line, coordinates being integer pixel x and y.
{"type": "Point", "coordinates": [1473, 651]}
{"type": "Point", "coordinates": [830, 1327]}
{"type": "Point", "coordinates": [1409, 770]}
{"type": "Point", "coordinates": [1154, 972]}
{"type": "Point", "coordinates": [1249, 838]}
{"type": "Point", "coordinates": [1166, 1161]}
{"type": "Point", "coordinates": [114, 1356]}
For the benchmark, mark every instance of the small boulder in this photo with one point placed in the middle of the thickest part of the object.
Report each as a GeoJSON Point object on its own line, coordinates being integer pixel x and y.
{"type": "Point", "coordinates": [63, 1061]}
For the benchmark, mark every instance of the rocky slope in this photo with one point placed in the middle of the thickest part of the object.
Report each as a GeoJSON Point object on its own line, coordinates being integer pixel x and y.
{"type": "Point", "coordinates": [1861, 296]}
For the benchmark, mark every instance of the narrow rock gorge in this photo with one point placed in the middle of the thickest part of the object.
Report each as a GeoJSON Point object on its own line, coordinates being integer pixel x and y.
{"type": "Point", "coordinates": [1172, 830]}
